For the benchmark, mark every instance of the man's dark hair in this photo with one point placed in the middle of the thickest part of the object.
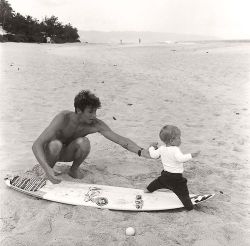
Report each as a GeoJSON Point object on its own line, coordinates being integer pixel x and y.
{"type": "Point", "coordinates": [85, 98]}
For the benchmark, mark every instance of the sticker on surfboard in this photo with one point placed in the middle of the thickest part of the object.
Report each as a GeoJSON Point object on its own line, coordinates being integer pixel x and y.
{"type": "Point", "coordinates": [28, 184]}
{"type": "Point", "coordinates": [93, 196]}
{"type": "Point", "coordinates": [138, 202]}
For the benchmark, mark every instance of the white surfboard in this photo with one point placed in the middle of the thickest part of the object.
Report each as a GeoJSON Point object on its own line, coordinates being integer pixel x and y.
{"type": "Point", "coordinates": [100, 196]}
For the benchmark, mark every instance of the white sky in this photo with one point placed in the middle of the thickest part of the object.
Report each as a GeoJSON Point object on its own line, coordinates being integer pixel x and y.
{"type": "Point", "coordinates": [220, 18]}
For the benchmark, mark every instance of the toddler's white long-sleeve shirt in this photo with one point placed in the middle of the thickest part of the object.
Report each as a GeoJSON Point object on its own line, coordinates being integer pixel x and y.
{"type": "Point", "coordinates": [171, 157]}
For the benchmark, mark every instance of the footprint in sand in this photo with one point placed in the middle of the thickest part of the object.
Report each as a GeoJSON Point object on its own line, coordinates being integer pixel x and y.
{"type": "Point", "coordinates": [221, 143]}
{"type": "Point", "coordinates": [196, 141]}
{"type": "Point", "coordinates": [194, 126]}
{"type": "Point", "coordinates": [101, 168]}
{"type": "Point", "coordinates": [241, 141]}
{"type": "Point", "coordinates": [237, 149]}
{"type": "Point", "coordinates": [68, 215]}
{"type": "Point", "coordinates": [10, 241]}
{"type": "Point", "coordinates": [232, 165]}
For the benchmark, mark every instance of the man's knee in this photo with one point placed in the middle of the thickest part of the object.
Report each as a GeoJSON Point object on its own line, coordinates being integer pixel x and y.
{"type": "Point", "coordinates": [83, 145]}
{"type": "Point", "coordinates": [55, 147]}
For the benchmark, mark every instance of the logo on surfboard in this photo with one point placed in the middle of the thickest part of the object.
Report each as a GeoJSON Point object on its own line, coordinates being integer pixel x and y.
{"type": "Point", "coordinates": [93, 196]}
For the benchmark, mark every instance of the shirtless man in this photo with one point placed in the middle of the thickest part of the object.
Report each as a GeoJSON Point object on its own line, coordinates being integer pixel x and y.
{"type": "Point", "coordinates": [65, 138]}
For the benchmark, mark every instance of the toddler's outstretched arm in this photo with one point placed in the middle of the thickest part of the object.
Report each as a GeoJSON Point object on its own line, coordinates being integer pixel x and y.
{"type": "Point", "coordinates": [154, 144]}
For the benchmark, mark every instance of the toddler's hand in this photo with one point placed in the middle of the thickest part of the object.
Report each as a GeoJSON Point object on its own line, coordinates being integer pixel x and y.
{"type": "Point", "coordinates": [195, 154]}
{"type": "Point", "coordinates": [154, 144]}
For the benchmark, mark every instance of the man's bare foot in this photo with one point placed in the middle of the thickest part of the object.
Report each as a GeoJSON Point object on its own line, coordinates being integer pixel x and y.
{"type": "Point", "coordinates": [76, 174]}
{"type": "Point", "coordinates": [52, 177]}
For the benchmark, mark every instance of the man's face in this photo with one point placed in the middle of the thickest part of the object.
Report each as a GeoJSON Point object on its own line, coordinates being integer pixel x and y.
{"type": "Point", "coordinates": [88, 115]}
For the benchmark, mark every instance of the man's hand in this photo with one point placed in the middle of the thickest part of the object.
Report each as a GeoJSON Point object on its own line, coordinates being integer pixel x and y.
{"type": "Point", "coordinates": [195, 154]}
{"type": "Point", "coordinates": [145, 153]}
{"type": "Point", "coordinates": [154, 144]}
{"type": "Point", "coordinates": [52, 177]}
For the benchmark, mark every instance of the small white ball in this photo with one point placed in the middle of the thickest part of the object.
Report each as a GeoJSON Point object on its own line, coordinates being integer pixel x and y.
{"type": "Point", "coordinates": [130, 231]}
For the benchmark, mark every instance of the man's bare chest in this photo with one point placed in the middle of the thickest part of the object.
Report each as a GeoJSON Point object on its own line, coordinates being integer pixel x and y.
{"type": "Point", "coordinates": [70, 133]}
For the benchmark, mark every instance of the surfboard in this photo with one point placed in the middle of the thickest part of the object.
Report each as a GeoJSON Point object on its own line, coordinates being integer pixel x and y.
{"type": "Point", "coordinates": [100, 196]}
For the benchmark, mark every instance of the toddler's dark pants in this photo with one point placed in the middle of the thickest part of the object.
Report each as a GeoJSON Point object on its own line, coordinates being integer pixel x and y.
{"type": "Point", "coordinates": [175, 182]}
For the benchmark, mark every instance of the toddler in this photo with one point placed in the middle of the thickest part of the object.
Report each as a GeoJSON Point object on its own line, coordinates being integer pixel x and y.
{"type": "Point", "coordinates": [172, 160]}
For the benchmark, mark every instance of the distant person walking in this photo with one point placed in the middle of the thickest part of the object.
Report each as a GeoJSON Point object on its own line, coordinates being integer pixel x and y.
{"type": "Point", "coordinates": [48, 39]}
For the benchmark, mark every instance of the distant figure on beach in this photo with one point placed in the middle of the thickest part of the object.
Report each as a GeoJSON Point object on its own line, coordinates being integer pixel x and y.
{"type": "Point", "coordinates": [48, 39]}
{"type": "Point", "coordinates": [65, 138]}
{"type": "Point", "coordinates": [172, 160]}
{"type": "Point", "coordinates": [120, 41]}
{"type": "Point", "coordinates": [139, 40]}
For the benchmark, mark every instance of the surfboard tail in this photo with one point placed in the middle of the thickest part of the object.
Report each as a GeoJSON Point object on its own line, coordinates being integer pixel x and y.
{"type": "Point", "coordinates": [28, 184]}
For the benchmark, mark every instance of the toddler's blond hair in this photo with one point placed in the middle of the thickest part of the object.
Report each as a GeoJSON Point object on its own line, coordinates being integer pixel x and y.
{"type": "Point", "coordinates": [168, 133]}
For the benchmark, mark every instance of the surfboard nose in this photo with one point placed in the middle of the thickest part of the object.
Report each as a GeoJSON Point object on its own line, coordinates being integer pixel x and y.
{"type": "Point", "coordinates": [201, 198]}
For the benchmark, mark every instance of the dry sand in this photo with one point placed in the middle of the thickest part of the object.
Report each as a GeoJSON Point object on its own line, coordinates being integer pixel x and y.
{"type": "Point", "coordinates": [201, 87]}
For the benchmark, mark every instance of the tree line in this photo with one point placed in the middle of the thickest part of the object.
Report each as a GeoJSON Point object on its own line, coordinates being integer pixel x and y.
{"type": "Point", "coordinates": [21, 28]}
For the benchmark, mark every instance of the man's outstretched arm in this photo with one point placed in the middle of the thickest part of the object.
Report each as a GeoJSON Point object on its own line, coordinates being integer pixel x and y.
{"type": "Point", "coordinates": [126, 143]}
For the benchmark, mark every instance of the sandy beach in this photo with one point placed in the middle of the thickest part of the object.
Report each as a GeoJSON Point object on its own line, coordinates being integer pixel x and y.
{"type": "Point", "coordinates": [202, 87]}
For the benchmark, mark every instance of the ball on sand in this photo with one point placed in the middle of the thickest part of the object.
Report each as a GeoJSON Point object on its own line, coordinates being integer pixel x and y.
{"type": "Point", "coordinates": [130, 231]}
